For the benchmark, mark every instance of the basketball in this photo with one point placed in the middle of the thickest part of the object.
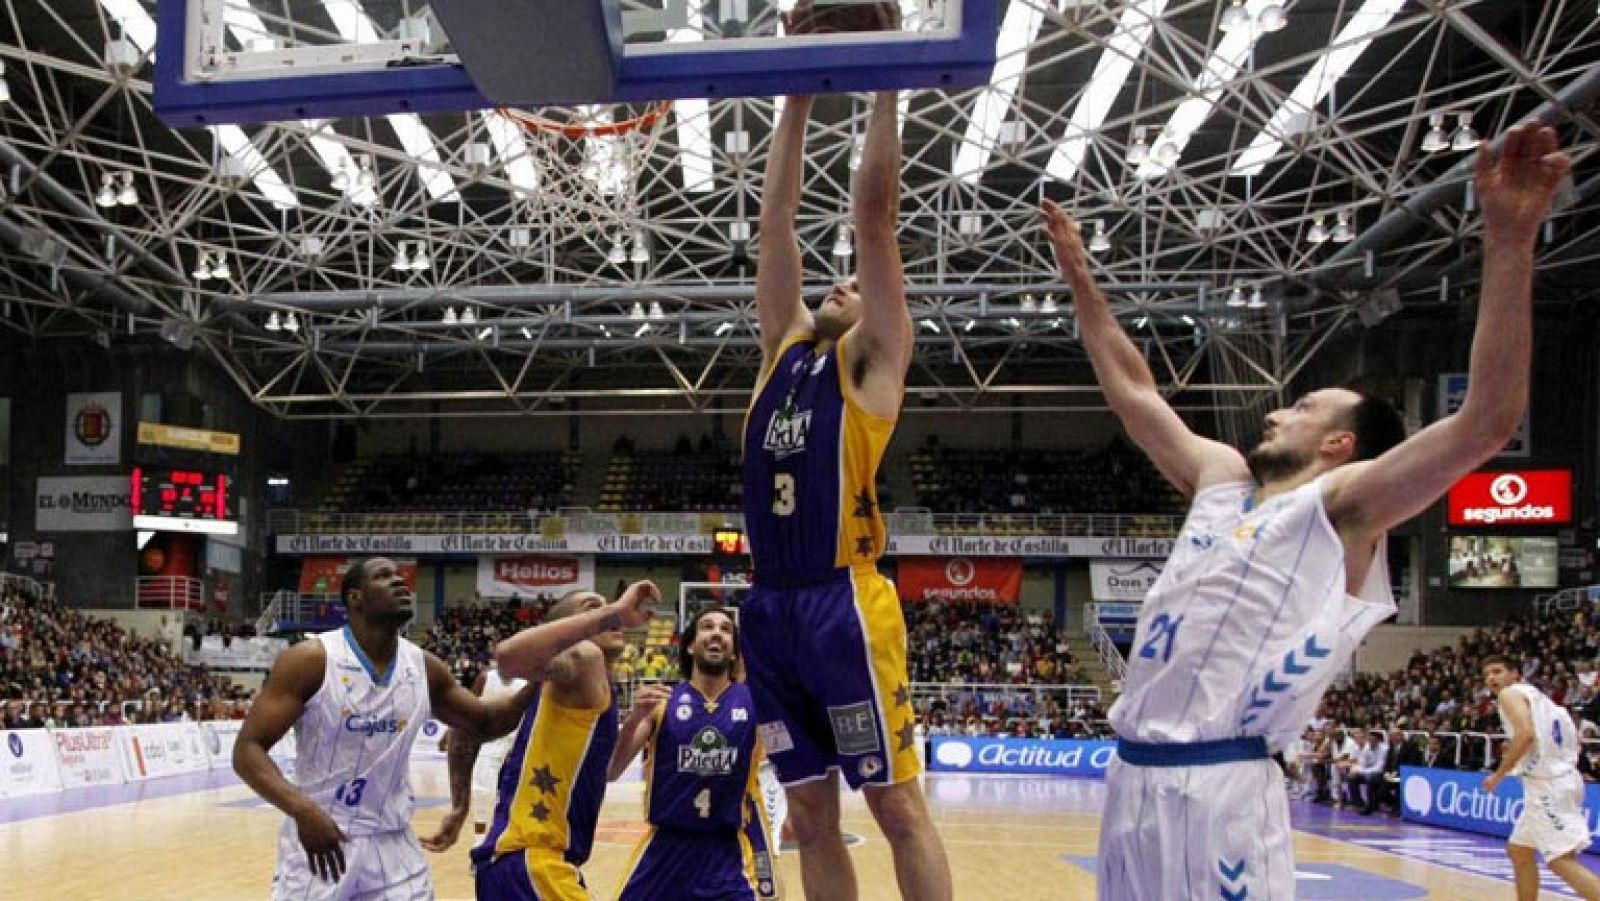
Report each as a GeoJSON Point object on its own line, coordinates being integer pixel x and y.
{"type": "Point", "coordinates": [811, 17]}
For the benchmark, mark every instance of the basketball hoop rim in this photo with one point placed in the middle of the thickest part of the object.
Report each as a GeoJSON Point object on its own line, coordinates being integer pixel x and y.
{"type": "Point", "coordinates": [538, 124]}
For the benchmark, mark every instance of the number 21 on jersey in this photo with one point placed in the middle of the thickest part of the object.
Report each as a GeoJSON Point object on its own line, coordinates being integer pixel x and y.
{"type": "Point", "coordinates": [1163, 631]}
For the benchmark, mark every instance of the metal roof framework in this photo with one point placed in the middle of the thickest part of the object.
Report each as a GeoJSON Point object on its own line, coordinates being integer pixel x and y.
{"type": "Point", "coordinates": [558, 327]}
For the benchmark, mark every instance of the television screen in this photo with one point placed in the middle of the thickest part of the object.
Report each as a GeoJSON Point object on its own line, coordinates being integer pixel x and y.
{"type": "Point", "coordinates": [1503, 561]}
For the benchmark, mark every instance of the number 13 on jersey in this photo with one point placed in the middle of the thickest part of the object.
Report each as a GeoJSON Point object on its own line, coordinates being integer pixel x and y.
{"type": "Point", "coordinates": [783, 494]}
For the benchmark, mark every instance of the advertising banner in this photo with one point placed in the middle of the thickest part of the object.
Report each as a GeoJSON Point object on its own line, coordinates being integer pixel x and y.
{"type": "Point", "coordinates": [162, 749]}
{"type": "Point", "coordinates": [322, 575]}
{"type": "Point", "coordinates": [1039, 546]}
{"type": "Point", "coordinates": [28, 763]}
{"type": "Point", "coordinates": [988, 580]}
{"type": "Point", "coordinates": [1525, 497]}
{"type": "Point", "coordinates": [88, 757]}
{"type": "Point", "coordinates": [219, 737]}
{"type": "Point", "coordinates": [1123, 580]}
{"type": "Point", "coordinates": [1034, 756]}
{"type": "Point", "coordinates": [534, 574]}
{"type": "Point", "coordinates": [83, 504]}
{"type": "Point", "coordinates": [427, 743]}
{"type": "Point", "coordinates": [1456, 800]}
{"type": "Point", "coordinates": [94, 429]}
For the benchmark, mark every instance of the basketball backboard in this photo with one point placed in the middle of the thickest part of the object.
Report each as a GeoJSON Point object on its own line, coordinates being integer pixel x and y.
{"type": "Point", "coordinates": [221, 61]}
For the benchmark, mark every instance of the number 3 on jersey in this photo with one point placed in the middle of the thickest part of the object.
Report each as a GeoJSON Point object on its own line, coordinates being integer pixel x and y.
{"type": "Point", "coordinates": [782, 494]}
{"type": "Point", "coordinates": [1164, 626]}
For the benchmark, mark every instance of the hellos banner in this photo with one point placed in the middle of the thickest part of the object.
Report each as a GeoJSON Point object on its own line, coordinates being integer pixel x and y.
{"type": "Point", "coordinates": [1529, 497]}
{"type": "Point", "coordinates": [986, 580]}
{"type": "Point", "coordinates": [531, 575]}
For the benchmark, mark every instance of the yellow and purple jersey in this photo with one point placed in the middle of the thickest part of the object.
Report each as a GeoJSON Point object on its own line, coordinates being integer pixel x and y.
{"type": "Point", "coordinates": [811, 456]}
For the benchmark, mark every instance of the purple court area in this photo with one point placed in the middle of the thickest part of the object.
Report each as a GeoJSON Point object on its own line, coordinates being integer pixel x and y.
{"type": "Point", "coordinates": [1327, 882]}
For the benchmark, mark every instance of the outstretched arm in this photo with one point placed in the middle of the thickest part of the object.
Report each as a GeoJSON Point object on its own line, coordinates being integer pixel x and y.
{"type": "Point", "coordinates": [536, 654]}
{"type": "Point", "coordinates": [1515, 189]}
{"type": "Point", "coordinates": [1189, 461]}
{"type": "Point", "coordinates": [883, 339]}
{"type": "Point", "coordinates": [779, 272]}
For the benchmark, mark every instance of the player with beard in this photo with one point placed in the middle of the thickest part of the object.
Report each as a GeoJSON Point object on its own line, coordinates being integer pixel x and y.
{"type": "Point", "coordinates": [357, 698]}
{"type": "Point", "coordinates": [1279, 570]}
{"type": "Point", "coordinates": [708, 837]}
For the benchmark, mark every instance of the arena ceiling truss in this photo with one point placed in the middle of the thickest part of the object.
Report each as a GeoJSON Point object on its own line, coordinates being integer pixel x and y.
{"type": "Point", "coordinates": [617, 278]}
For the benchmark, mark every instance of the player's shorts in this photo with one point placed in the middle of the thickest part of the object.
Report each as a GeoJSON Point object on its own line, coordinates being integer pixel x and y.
{"type": "Point", "coordinates": [530, 876]}
{"type": "Point", "coordinates": [826, 664]}
{"type": "Point", "coordinates": [1218, 831]}
{"type": "Point", "coordinates": [673, 865]}
{"type": "Point", "coordinates": [388, 865]}
{"type": "Point", "coordinates": [1552, 820]}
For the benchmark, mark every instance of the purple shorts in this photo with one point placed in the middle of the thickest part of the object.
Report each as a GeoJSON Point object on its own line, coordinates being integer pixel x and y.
{"type": "Point", "coordinates": [827, 667]}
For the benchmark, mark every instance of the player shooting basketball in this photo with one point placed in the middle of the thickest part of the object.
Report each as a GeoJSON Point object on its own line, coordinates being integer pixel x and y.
{"type": "Point", "coordinates": [1279, 571]}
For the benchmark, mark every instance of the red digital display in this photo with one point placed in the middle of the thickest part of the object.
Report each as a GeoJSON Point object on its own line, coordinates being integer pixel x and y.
{"type": "Point", "coordinates": [181, 493]}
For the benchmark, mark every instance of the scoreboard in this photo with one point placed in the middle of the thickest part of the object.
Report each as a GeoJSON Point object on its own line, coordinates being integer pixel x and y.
{"type": "Point", "coordinates": [179, 487]}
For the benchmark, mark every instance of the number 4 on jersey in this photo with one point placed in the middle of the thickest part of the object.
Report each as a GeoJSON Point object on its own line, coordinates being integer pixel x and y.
{"type": "Point", "coordinates": [702, 803]}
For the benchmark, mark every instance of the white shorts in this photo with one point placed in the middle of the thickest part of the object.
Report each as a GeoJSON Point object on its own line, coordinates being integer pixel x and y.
{"type": "Point", "coordinates": [1202, 832]}
{"type": "Point", "coordinates": [1552, 820]}
{"type": "Point", "coordinates": [388, 866]}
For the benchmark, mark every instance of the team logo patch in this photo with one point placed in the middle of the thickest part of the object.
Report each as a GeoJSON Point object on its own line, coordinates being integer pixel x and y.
{"type": "Point", "coordinates": [787, 431]}
{"type": "Point", "coordinates": [708, 754]}
{"type": "Point", "coordinates": [741, 715]}
{"type": "Point", "coordinates": [684, 713]}
{"type": "Point", "coordinates": [775, 737]}
{"type": "Point", "coordinates": [871, 766]}
{"type": "Point", "coordinates": [855, 729]}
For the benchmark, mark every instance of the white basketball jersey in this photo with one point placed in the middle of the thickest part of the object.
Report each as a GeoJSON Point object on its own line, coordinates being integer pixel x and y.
{"type": "Point", "coordinates": [1249, 622]}
{"type": "Point", "coordinates": [1555, 741]}
{"type": "Point", "coordinates": [353, 740]}
{"type": "Point", "coordinates": [493, 752]}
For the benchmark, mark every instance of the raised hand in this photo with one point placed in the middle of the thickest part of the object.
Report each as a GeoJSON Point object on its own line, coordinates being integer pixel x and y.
{"type": "Point", "coordinates": [1516, 186]}
{"type": "Point", "coordinates": [635, 607]}
{"type": "Point", "coordinates": [647, 699]}
{"type": "Point", "coordinates": [1067, 240]}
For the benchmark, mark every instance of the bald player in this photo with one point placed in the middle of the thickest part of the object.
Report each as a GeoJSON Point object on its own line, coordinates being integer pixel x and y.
{"type": "Point", "coordinates": [1279, 570]}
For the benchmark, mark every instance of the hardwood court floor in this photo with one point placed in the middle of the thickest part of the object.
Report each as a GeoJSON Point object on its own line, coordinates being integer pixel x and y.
{"type": "Point", "coordinates": [1013, 838]}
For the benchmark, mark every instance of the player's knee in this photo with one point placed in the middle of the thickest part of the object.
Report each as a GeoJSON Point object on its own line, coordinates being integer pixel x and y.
{"type": "Point", "coordinates": [814, 813]}
{"type": "Point", "coordinates": [899, 810]}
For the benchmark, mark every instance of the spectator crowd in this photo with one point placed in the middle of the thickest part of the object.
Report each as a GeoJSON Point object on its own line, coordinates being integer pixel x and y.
{"type": "Point", "coordinates": [61, 668]}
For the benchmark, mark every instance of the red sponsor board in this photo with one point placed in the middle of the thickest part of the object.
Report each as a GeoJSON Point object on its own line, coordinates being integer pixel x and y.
{"type": "Point", "coordinates": [1533, 497]}
{"type": "Point", "coordinates": [534, 574]}
{"type": "Point", "coordinates": [945, 579]}
{"type": "Point", "coordinates": [322, 575]}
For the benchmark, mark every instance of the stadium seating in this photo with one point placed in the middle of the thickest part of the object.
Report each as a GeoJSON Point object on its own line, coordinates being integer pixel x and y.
{"type": "Point", "coordinates": [464, 482]}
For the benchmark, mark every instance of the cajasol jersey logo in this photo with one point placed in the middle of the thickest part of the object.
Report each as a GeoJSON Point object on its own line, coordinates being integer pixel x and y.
{"type": "Point", "coordinates": [707, 754]}
{"type": "Point", "coordinates": [372, 725]}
